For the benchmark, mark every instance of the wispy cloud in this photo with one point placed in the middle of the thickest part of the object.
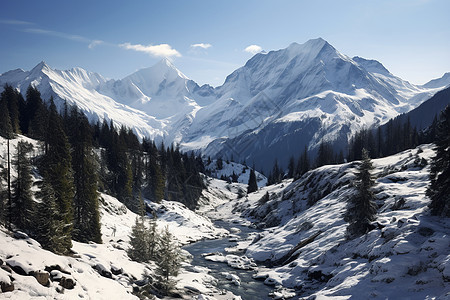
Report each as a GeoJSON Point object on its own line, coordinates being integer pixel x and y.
{"type": "Point", "coordinates": [73, 37]}
{"type": "Point", "coordinates": [162, 50]}
{"type": "Point", "coordinates": [95, 43]}
{"type": "Point", "coordinates": [15, 22]}
{"type": "Point", "coordinates": [58, 34]}
{"type": "Point", "coordinates": [253, 49]}
{"type": "Point", "coordinates": [201, 45]}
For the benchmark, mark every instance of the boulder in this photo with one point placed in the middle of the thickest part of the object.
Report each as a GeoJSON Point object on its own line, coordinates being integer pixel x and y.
{"type": "Point", "coordinates": [7, 287]}
{"type": "Point", "coordinates": [67, 283]}
{"type": "Point", "coordinates": [42, 277]}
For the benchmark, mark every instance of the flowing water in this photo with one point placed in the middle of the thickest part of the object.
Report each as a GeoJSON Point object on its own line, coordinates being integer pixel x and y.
{"type": "Point", "coordinates": [250, 288]}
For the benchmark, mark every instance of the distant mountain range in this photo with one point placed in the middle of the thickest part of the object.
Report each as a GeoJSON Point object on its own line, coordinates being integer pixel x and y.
{"type": "Point", "coordinates": [270, 108]}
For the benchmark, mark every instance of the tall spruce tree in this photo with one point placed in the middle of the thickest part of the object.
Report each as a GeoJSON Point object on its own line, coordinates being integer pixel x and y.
{"type": "Point", "coordinates": [361, 209]}
{"type": "Point", "coordinates": [22, 201]}
{"type": "Point", "coordinates": [11, 96]}
{"type": "Point", "coordinates": [139, 248]}
{"type": "Point", "coordinates": [252, 184]}
{"type": "Point", "coordinates": [6, 129]}
{"type": "Point", "coordinates": [439, 189]}
{"type": "Point", "coordinates": [57, 169]}
{"type": "Point", "coordinates": [50, 232]}
{"type": "Point", "coordinates": [168, 261]}
{"type": "Point", "coordinates": [86, 210]}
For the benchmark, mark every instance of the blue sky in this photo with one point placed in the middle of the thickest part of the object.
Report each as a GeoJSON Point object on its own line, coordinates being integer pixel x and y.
{"type": "Point", "coordinates": [206, 40]}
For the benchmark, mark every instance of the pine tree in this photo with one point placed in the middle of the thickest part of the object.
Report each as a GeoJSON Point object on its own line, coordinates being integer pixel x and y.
{"type": "Point", "coordinates": [302, 164]}
{"type": "Point", "coordinates": [168, 261]}
{"type": "Point", "coordinates": [139, 248]}
{"type": "Point", "coordinates": [361, 209]}
{"type": "Point", "coordinates": [56, 168]}
{"type": "Point", "coordinates": [22, 201]}
{"type": "Point", "coordinates": [36, 115]}
{"type": "Point", "coordinates": [85, 204]}
{"type": "Point", "coordinates": [12, 97]}
{"type": "Point", "coordinates": [439, 189]}
{"type": "Point", "coordinates": [50, 231]}
{"type": "Point", "coordinates": [6, 129]}
{"type": "Point", "coordinates": [252, 184]}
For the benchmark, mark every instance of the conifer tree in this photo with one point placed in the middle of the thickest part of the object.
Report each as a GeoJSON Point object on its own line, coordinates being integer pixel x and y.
{"type": "Point", "coordinates": [49, 233]}
{"type": "Point", "coordinates": [361, 209]}
{"type": "Point", "coordinates": [12, 97]}
{"type": "Point", "coordinates": [86, 211]}
{"type": "Point", "coordinates": [439, 189]}
{"type": "Point", "coordinates": [36, 119]}
{"type": "Point", "coordinates": [302, 164]}
{"type": "Point", "coordinates": [252, 184]}
{"type": "Point", "coordinates": [139, 248]}
{"type": "Point", "coordinates": [56, 167]}
{"type": "Point", "coordinates": [22, 201]}
{"type": "Point", "coordinates": [6, 129]}
{"type": "Point", "coordinates": [168, 261]}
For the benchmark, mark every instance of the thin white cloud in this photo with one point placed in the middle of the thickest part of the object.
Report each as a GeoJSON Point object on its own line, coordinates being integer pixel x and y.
{"type": "Point", "coordinates": [95, 43]}
{"type": "Point", "coordinates": [201, 45]}
{"type": "Point", "coordinates": [15, 22]}
{"type": "Point", "coordinates": [253, 49]}
{"type": "Point", "coordinates": [162, 50]}
{"type": "Point", "coordinates": [62, 35]}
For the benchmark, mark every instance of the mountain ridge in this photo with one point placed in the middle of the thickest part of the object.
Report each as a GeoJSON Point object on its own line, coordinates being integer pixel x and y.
{"type": "Point", "coordinates": [310, 83]}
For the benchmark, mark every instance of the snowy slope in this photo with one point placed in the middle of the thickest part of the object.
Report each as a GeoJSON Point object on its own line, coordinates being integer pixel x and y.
{"type": "Point", "coordinates": [275, 104]}
{"type": "Point", "coordinates": [406, 255]}
{"type": "Point", "coordinates": [100, 271]}
{"type": "Point", "coordinates": [229, 167]}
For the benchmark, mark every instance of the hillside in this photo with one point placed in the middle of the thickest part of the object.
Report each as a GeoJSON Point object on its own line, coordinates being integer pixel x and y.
{"type": "Point", "coordinates": [406, 255]}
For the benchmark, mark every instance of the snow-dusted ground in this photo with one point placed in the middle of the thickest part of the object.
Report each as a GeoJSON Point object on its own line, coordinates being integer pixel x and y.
{"type": "Point", "coordinates": [406, 256]}
{"type": "Point", "coordinates": [230, 167]}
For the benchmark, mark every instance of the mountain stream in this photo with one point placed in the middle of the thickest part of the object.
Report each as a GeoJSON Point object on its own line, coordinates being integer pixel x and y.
{"type": "Point", "coordinates": [249, 287]}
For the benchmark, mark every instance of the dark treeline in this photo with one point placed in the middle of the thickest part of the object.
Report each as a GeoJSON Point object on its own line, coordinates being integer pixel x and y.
{"type": "Point", "coordinates": [77, 159]}
{"type": "Point", "coordinates": [395, 136]}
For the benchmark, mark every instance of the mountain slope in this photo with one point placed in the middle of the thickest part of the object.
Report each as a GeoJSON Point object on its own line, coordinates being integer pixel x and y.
{"type": "Point", "coordinates": [405, 256]}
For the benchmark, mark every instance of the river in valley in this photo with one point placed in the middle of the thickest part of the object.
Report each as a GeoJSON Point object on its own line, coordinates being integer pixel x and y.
{"type": "Point", "coordinates": [249, 288]}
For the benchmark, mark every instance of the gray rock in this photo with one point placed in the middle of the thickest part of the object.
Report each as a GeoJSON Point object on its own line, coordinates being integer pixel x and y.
{"type": "Point", "coordinates": [42, 277]}
{"type": "Point", "coordinates": [67, 283]}
{"type": "Point", "coordinates": [6, 287]}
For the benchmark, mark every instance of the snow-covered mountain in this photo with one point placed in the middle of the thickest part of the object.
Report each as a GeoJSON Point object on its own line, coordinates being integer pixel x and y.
{"type": "Point", "coordinates": [275, 104]}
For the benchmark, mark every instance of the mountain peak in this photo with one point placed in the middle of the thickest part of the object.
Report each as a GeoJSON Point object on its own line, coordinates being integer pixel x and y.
{"type": "Point", "coordinates": [40, 66]}
{"type": "Point", "coordinates": [165, 66]}
{"type": "Point", "coordinates": [311, 47]}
